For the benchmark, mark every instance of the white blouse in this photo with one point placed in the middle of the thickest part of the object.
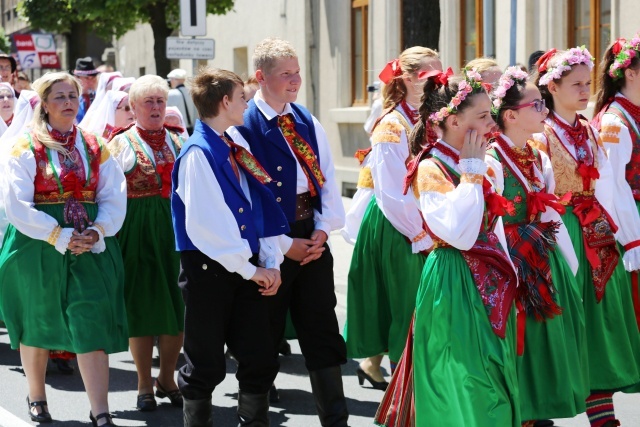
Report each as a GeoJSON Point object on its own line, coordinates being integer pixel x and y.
{"type": "Point", "coordinates": [111, 198]}
{"type": "Point", "coordinates": [125, 156]}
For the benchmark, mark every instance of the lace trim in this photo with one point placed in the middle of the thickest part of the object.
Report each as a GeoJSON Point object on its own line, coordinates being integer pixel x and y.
{"type": "Point", "coordinates": [472, 166]}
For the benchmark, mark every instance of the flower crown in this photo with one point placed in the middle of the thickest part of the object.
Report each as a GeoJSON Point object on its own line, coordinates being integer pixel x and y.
{"type": "Point", "coordinates": [472, 81]}
{"type": "Point", "coordinates": [510, 77]}
{"type": "Point", "coordinates": [625, 51]}
{"type": "Point", "coordinates": [573, 56]}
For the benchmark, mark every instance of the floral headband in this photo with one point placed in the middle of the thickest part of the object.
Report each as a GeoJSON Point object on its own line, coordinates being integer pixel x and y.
{"type": "Point", "coordinates": [573, 56]}
{"type": "Point", "coordinates": [624, 51]}
{"type": "Point", "coordinates": [510, 77]}
{"type": "Point", "coordinates": [472, 81]}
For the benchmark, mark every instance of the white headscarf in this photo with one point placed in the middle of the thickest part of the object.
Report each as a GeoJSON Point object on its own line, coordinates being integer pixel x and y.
{"type": "Point", "coordinates": [22, 115]}
{"type": "Point", "coordinates": [122, 83]}
{"type": "Point", "coordinates": [104, 113]}
{"type": "Point", "coordinates": [7, 86]}
{"type": "Point", "coordinates": [105, 79]}
{"type": "Point", "coordinates": [174, 111]}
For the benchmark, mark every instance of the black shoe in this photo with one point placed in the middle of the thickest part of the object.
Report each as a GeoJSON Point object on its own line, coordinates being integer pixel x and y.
{"type": "Point", "coordinates": [146, 403]}
{"type": "Point", "coordinates": [253, 409]}
{"type": "Point", "coordinates": [44, 416]}
{"type": "Point", "coordinates": [328, 393]}
{"type": "Point", "coordinates": [274, 396]}
{"type": "Point", "coordinates": [611, 423]}
{"type": "Point", "coordinates": [197, 413]}
{"type": "Point", "coordinates": [285, 348]}
{"type": "Point", "coordinates": [175, 396]}
{"type": "Point", "coordinates": [378, 385]}
{"type": "Point", "coordinates": [94, 420]}
{"type": "Point", "coordinates": [543, 423]}
{"type": "Point", "coordinates": [64, 366]}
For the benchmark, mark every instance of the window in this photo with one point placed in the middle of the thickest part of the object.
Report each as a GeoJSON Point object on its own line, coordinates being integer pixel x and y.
{"type": "Point", "coordinates": [590, 25]}
{"type": "Point", "coordinates": [471, 34]}
{"type": "Point", "coordinates": [359, 39]}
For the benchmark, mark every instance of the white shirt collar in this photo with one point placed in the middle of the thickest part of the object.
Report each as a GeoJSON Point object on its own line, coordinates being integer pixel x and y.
{"type": "Point", "coordinates": [266, 109]}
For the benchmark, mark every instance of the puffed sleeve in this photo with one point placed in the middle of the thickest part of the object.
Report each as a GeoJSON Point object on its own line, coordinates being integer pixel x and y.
{"type": "Point", "coordinates": [388, 168]}
{"type": "Point", "coordinates": [122, 152]}
{"type": "Point", "coordinates": [454, 214]}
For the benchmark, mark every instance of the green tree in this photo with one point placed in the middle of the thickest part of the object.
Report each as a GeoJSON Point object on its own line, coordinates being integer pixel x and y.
{"type": "Point", "coordinates": [5, 43]}
{"type": "Point", "coordinates": [109, 18]}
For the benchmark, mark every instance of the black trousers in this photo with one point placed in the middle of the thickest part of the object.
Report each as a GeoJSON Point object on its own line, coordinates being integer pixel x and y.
{"type": "Point", "coordinates": [308, 293]}
{"type": "Point", "coordinates": [221, 307]}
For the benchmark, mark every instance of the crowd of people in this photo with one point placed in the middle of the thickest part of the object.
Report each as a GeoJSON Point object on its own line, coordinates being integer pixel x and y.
{"type": "Point", "coordinates": [496, 237]}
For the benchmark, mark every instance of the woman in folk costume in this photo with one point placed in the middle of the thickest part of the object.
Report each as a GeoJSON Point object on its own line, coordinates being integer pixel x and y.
{"type": "Point", "coordinates": [114, 113]}
{"type": "Point", "coordinates": [122, 83]}
{"type": "Point", "coordinates": [173, 117]}
{"type": "Point", "coordinates": [553, 370]}
{"type": "Point", "coordinates": [387, 260]}
{"type": "Point", "coordinates": [581, 168]}
{"type": "Point", "coordinates": [464, 350]}
{"type": "Point", "coordinates": [105, 83]}
{"type": "Point", "coordinates": [146, 152]}
{"type": "Point", "coordinates": [618, 120]}
{"type": "Point", "coordinates": [7, 106]}
{"type": "Point", "coordinates": [66, 202]}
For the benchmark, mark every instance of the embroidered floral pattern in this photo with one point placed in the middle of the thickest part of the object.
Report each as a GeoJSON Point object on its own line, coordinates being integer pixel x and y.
{"type": "Point", "coordinates": [365, 179]}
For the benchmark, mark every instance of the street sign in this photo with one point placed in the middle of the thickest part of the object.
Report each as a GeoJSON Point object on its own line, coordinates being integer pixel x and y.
{"type": "Point", "coordinates": [193, 17]}
{"type": "Point", "coordinates": [36, 51]}
{"type": "Point", "coordinates": [178, 48]}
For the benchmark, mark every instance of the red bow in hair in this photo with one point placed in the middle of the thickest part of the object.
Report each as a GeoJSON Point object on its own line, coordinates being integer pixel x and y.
{"type": "Point", "coordinates": [390, 71]}
{"type": "Point", "coordinates": [618, 45]}
{"type": "Point", "coordinates": [542, 62]}
{"type": "Point", "coordinates": [441, 78]}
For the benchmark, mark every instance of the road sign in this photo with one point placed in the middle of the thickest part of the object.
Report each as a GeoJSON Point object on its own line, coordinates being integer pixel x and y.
{"type": "Point", "coordinates": [178, 48]}
{"type": "Point", "coordinates": [36, 51]}
{"type": "Point", "coordinates": [193, 17]}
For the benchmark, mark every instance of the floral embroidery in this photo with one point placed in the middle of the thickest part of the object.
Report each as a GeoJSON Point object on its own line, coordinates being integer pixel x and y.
{"type": "Point", "coordinates": [365, 179]}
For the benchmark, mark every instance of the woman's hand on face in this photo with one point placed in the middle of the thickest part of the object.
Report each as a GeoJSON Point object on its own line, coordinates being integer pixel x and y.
{"type": "Point", "coordinates": [474, 145]}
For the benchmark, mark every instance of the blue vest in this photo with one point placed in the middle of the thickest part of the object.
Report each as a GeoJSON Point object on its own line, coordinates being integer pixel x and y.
{"type": "Point", "coordinates": [259, 218]}
{"type": "Point", "coordinates": [272, 150]}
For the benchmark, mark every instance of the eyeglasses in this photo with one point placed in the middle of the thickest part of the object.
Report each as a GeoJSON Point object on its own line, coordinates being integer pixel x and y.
{"type": "Point", "coordinates": [5, 67]}
{"type": "Point", "coordinates": [538, 104]}
{"type": "Point", "coordinates": [125, 108]}
{"type": "Point", "coordinates": [6, 97]}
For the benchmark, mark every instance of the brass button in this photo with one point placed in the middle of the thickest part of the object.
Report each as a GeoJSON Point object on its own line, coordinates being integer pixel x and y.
{"type": "Point", "coordinates": [240, 210]}
{"type": "Point", "coordinates": [279, 168]}
{"type": "Point", "coordinates": [204, 266]}
{"type": "Point", "coordinates": [242, 227]}
{"type": "Point", "coordinates": [278, 199]}
{"type": "Point", "coordinates": [279, 184]}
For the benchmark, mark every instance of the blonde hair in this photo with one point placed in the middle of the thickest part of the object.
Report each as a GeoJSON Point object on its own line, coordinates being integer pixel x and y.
{"type": "Point", "coordinates": [43, 87]}
{"type": "Point", "coordinates": [410, 62]}
{"type": "Point", "coordinates": [147, 84]}
{"type": "Point", "coordinates": [482, 64]}
{"type": "Point", "coordinates": [268, 51]}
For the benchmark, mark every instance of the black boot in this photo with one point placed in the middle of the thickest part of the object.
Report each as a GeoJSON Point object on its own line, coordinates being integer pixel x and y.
{"type": "Point", "coordinates": [197, 413]}
{"type": "Point", "coordinates": [253, 409]}
{"type": "Point", "coordinates": [326, 385]}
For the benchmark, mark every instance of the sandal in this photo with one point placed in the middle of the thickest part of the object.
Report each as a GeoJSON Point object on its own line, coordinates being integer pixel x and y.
{"type": "Point", "coordinates": [146, 403]}
{"type": "Point", "coordinates": [94, 420]}
{"type": "Point", "coordinates": [44, 416]}
{"type": "Point", "coordinates": [175, 396]}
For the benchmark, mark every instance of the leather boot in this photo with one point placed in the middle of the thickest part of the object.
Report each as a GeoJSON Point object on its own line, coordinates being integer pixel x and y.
{"type": "Point", "coordinates": [253, 409]}
{"type": "Point", "coordinates": [326, 385]}
{"type": "Point", "coordinates": [197, 413]}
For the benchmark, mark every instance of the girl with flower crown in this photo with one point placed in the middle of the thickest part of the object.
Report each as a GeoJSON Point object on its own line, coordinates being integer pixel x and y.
{"type": "Point", "coordinates": [388, 254]}
{"type": "Point", "coordinates": [552, 371]}
{"type": "Point", "coordinates": [583, 176]}
{"type": "Point", "coordinates": [464, 349]}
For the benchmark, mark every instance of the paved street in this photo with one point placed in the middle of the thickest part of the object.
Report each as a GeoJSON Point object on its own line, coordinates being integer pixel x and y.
{"type": "Point", "coordinates": [69, 405]}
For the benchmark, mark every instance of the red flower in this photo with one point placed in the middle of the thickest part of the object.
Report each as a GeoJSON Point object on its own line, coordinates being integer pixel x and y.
{"type": "Point", "coordinates": [518, 199]}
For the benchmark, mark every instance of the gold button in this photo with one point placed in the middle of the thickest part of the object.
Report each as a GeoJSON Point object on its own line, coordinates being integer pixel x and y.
{"type": "Point", "coordinates": [279, 168]}
{"type": "Point", "coordinates": [278, 199]}
{"type": "Point", "coordinates": [279, 184]}
{"type": "Point", "coordinates": [240, 210]}
{"type": "Point", "coordinates": [242, 227]}
{"type": "Point", "coordinates": [204, 266]}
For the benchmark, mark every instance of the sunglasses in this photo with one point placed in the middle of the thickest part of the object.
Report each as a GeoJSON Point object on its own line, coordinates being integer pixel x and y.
{"type": "Point", "coordinates": [125, 108]}
{"type": "Point", "coordinates": [538, 104]}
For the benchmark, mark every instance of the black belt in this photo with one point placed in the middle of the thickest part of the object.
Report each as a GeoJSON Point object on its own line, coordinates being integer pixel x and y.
{"type": "Point", "coordinates": [304, 210]}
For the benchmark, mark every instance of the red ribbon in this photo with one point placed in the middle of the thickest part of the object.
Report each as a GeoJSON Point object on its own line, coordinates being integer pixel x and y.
{"type": "Point", "coordinates": [587, 173]}
{"type": "Point", "coordinates": [543, 62]}
{"type": "Point", "coordinates": [618, 45]}
{"type": "Point", "coordinates": [164, 171]}
{"type": "Point", "coordinates": [390, 71]}
{"type": "Point", "coordinates": [362, 154]}
{"type": "Point", "coordinates": [441, 78]}
{"type": "Point", "coordinates": [538, 202]}
{"type": "Point", "coordinates": [72, 183]}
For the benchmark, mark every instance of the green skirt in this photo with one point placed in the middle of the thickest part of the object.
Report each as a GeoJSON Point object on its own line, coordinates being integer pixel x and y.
{"type": "Point", "coordinates": [464, 374]}
{"type": "Point", "coordinates": [613, 341]}
{"type": "Point", "coordinates": [152, 265]}
{"type": "Point", "coordinates": [553, 371]}
{"type": "Point", "coordinates": [382, 286]}
{"type": "Point", "coordinates": [62, 302]}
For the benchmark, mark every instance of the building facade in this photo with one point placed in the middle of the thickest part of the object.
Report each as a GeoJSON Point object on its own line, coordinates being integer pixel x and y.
{"type": "Point", "coordinates": [344, 44]}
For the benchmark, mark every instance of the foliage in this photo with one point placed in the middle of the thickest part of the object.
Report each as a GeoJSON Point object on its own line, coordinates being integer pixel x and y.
{"type": "Point", "coordinates": [5, 43]}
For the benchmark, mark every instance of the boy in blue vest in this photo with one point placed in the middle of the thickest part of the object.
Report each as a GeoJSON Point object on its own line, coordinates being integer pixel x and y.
{"type": "Point", "coordinates": [293, 148]}
{"type": "Point", "coordinates": [227, 225]}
